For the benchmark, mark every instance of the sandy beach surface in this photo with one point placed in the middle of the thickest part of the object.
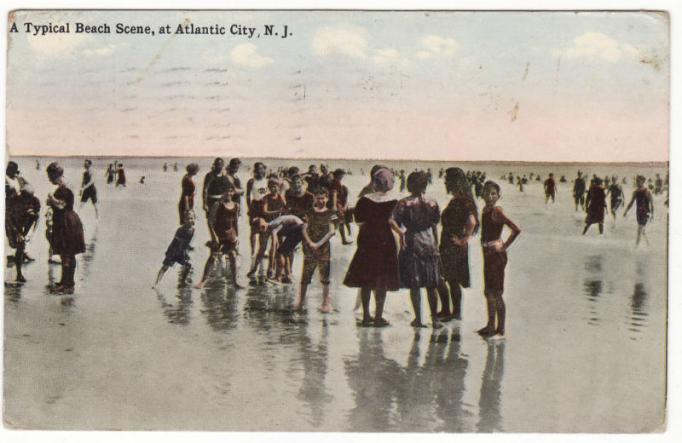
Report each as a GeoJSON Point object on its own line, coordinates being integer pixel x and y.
{"type": "Point", "coordinates": [584, 352]}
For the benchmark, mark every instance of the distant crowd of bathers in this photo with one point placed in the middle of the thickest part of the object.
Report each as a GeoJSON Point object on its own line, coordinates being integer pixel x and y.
{"type": "Point", "coordinates": [398, 246]}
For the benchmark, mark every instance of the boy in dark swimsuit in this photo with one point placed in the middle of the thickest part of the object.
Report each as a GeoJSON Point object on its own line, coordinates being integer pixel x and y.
{"type": "Point", "coordinates": [550, 188]}
{"type": "Point", "coordinates": [338, 201]}
{"type": "Point", "coordinates": [318, 229]}
{"type": "Point", "coordinates": [645, 207]}
{"type": "Point", "coordinates": [494, 258]}
{"type": "Point", "coordinates": [88, 190]}
{"type": "Point", "coordinates": [616, 193]}
{"type": "Point", "coordinates": [579, 191]}
{"type": "Point", "coordinates": [223, 223]}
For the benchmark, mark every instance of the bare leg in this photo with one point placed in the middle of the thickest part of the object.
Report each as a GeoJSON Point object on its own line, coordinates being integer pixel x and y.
{"type": "Point", "coordinates": [456, 294]}
{"type": "Point", "coordinates": [326, 299]}
{"type": "Point", "coordinates": [444, 294]}
{"type": "Point", "coordinates": [207, 270]}
{"type": "Point", "coordinates": [489, 329]}
{"type": "Point", "coordinates": [416, 299]}
{"type": "Point", "coordinates": [601, 228]}
{"type": "Point", "coordinates": [160, 275]}
{"type": "Point", "coordinates": [379, 300]}
{"type": "Point", "coordinates": [501, 314]}
{"type": "Point", "coordinates": [19, 261]}
{"type": "Point", "coordinates": [232, 257]}
{"type": "Point", "coordinates": [433, 307]}
{"type": "Point", "coordinates": [365, 295]}
{"type": "Point", "coordinates": [298, 306]}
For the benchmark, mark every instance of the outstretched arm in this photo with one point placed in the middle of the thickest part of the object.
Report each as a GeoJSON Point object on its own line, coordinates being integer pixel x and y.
{"type": "Point", "coordinates": [632, 201]}
{"type": "Point", "coordinates": [204, 191]}
{"type": "Point", "coordinates": [499, 216]}
{"type": "Point", "coordinates": [468, 232]}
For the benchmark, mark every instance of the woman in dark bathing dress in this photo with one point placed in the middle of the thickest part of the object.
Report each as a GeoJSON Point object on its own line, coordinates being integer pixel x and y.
{"type": "Point", "coordinates": [375, 264]}
{"type": "Point", "coordinates": [67, 231]}
{"type": "Point", "coordinates": [460, 222]}
{"type": "Point", "coordinates": [596, 205]}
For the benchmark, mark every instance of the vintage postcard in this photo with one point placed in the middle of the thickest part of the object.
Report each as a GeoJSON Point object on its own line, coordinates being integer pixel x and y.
{"type": "Point", "coordinates": [357, 221]}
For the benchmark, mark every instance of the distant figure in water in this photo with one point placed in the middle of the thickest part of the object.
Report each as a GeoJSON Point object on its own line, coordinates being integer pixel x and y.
{"type": "Point", "coordinates": [596, 205]}
{"type": "Point", "coordinates": [579, 191]}
{"type": "Point", "coordinates": [617, 196]}
{"type": "Point", "coordinates": [111, 172]}
{"type": "Point", "coordinates": [165, 167]}
{"type": "Point", "coordinates": [88, 190]}
{"type": "Point", "coordinates": [645, 207]}
{"type": "Point", "coordinates": [37, 165]}
{"type": "Point", "coordinates": [178, 249]}
{"type": "Point", "coordinates": [121, 180]}
{"type": "Point", "coordinates": [67, 231]}
{"type": "Point", "coordinates": [563, 179]}
{"type": "Point", "coordinates": [493, 221]}
{"type": "Point", "coordinates": [658, 185]}
{"type": "Point", "coordinates": [175, 167]}
{"type": "Point", "coordinates": [550, 188]}
{"type": "Point", "coordinates": [519, 182]}
{"type": "Point", "coordinates": [142, 180]}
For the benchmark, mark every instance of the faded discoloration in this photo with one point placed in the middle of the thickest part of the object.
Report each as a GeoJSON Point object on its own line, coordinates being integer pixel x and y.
{"type": "Point", "coordinates": [514, 113]}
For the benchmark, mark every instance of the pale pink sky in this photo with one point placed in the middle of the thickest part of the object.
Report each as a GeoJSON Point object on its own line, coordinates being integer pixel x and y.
{"type": "Point", "coordinates": [452, 86]}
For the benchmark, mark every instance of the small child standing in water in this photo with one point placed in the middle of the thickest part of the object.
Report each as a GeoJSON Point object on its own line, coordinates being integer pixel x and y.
{"type": "Point", "coordinates": [177, 251]}
{"type": "Point", "coordinates": [318, 229]}
{"type": "Point", "coordinates": [494, 258]}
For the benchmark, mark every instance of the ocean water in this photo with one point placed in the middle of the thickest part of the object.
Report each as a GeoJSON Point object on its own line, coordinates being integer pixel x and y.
{"type": "Point", "coordinates": [585, 347]}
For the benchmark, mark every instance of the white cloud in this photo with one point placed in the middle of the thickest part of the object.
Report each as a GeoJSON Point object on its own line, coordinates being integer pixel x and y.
{"type": "Point", "coordinates": [247, 55]}
{"type": "Point", "coordinates": [437, 46]}
{"type": "Point", "coordinates": [423, 55]}
{"type": "Point", "coordinates": [386, 55]}
{"type": "Point", "coordinates": [56, 45]}
{"type": "Point", "coordinates": [349, 41]}
{"type": "Point", "coordinates": [597, 46]}
{"type": "Point", "coordinates": [103, 51]}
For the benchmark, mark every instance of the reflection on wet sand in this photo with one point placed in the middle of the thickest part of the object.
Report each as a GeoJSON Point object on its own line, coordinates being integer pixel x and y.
{"type": "Point", "coordinates": [390, 397]}
{"type": "Point", "coordinates": [639, 302]}
{"type": "Point", "coordinates": [313, 392]}
{"type": "Point", "coordinates": [435, 386]}
{"type": "Point", "coordinates": [12, 292]}
{"type": "Point", "coordinates": [220, 306]}
{"type": "Point", "coordinates": [593, 286]}
{"type": "Point", "coordinates": [374, 381]}
{"type": "Point", "coordinates": [180, 312]}
{"type": "Point", "coordinates": [489, 410]}
{"type": "Point", "coordinates": [88, 256]}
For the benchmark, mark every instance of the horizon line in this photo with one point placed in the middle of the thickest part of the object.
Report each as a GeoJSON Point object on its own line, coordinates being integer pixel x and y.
{"type": "Point", "coordinates": [499, 162]}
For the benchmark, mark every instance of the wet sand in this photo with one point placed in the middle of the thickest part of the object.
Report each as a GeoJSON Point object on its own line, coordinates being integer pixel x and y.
{"type": "Point", "coordinates": [585, 350]}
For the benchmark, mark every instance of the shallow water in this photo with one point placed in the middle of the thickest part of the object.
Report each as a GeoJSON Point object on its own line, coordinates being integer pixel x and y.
{"type": "Point", "coordinates": [585, 350]}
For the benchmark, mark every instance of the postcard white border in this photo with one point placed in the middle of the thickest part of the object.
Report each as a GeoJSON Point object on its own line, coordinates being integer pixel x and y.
{"type": "Point", "coordinates": [674, 409]}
